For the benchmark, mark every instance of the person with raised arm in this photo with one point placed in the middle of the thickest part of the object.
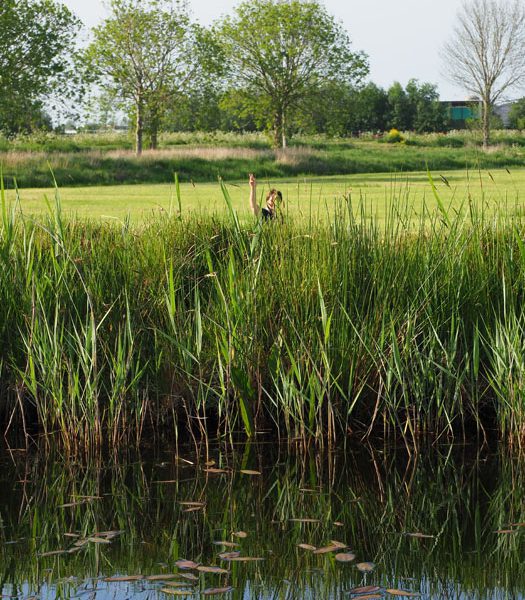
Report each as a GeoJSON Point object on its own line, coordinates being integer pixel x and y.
{"type": "Point", "coordinates": [273, 201]}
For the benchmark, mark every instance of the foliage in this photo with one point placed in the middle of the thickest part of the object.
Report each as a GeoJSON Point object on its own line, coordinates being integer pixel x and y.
{"type": "Point", "coordinates": [285, 51]}
{"type": "Point", "coordinates": [517, 114]}
{"type": "Point", "coordinates": [410, 328]}
{"type": "Point", "coordinates": [37, 62]}
{"type": "Point", "coordinates": [143, 53]}
{"type": "Point", "coordinates": [107, 158]}
{"type": "Point", "coordinates": [394, 137]}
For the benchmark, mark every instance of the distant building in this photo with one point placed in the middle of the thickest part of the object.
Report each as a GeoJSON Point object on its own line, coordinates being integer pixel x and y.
{"type": "Point", "coordinates": [459, 111]}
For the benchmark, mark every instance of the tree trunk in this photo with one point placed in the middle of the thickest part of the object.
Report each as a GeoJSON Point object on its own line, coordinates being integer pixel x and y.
{"type": "Point", "coordinates": [486, 122]}
{"type": "Point", "coordinates": [279, 129]}
{"type": "Point", "coordinates": [154, 142]}
{"type": "Point", "coordinates": [283, 129]}
{"type": "Point", "coordinates": [139, 127]}
{"type": "Point", "coordinates": [154, 130]}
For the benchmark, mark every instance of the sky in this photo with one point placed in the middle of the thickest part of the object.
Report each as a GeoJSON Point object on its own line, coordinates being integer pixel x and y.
{"type": "Point", "coordinates": [402, 38]}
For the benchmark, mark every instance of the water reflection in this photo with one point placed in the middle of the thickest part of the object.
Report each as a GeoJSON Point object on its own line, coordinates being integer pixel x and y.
{"type": "Point", "coordinates": [449, 523]}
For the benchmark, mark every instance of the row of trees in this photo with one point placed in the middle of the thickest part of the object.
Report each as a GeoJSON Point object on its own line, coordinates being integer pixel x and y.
{"type": "Point", "coordinates": [333, 108]}
{"type": "Point", "coordinates": [279, 65]}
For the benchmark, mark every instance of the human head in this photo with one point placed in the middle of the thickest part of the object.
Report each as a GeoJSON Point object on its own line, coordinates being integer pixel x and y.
{"type": "Point", "coordinates": [273, 198]}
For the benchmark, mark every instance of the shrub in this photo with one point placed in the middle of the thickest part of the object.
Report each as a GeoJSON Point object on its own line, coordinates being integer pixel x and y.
{"type": "Point", "coordinates": [394, 137]}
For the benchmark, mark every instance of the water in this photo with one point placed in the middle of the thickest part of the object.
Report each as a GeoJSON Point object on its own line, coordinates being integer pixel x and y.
{"type": "Point", "coordinates": [430, 523]}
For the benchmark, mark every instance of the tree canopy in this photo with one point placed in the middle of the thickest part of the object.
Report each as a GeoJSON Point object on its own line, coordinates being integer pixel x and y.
{"type": "Point", "coordinates": [284, 51]}
{"type": "Point", "coordinates": [37, 52]}
{"type": "Point", "coordinates": [143, 52]}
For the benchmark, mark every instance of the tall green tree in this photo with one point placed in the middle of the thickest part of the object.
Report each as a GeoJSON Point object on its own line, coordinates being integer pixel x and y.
{"type": "Point", "coordinates": [37, 51]}
{"type": "Point", "coordinates": [284, 50]}
{"type": "Point", "coordinates": [144, 53]}
{"type": "Point", "coordinates": [401, 114]}
{"type": "Point", "coordinates": [427, 112]}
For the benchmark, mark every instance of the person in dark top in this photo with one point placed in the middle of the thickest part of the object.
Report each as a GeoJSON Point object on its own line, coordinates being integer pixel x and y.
{"type": "Point", "coordinates": [273, 199]}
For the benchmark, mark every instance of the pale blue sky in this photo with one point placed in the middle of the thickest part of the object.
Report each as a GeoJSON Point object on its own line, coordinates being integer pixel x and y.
{"type": "Point", "coordinates": [402, 37]}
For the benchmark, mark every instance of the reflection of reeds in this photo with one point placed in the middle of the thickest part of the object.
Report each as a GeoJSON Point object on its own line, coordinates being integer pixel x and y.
{"type": "Point", "coordinates": [458, 499]}
{"type": "Point", "coordinates": [411, 329]}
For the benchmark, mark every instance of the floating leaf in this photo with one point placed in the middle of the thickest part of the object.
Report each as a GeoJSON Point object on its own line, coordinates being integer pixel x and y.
{"type": "Point", "coordinates": [176, 592]}
{"type": "Point", "coordinates": [109, 534]}
{"type": "Point", "coordinates": [249, 472]}
{"type": "Point", "coordinates": [326, 549]}
{"type": "Point", "coordinates": [240, 534]}
{"type": "Point", "coordinates": [396, 592]}
{"type": "Point", "coordinates": [244, 559]}
{"type": "Point", "coordinates": [304, 520]}
{"type": "Point", "coordinates": [506, 531]}
{"type": "Point", "coordinates": [366, 567]}
{"type": "Point", "coordinates": [119, 578]}
{"type": "Point", "coordinates": [219, 570]}
{"type": "Point", "coordinates": [365, 589]}
{"type": "Point", "coordinates": [306, 546]}
{"type": "Point", "coordinates": [344, 557]}
{"type": "Point", "coordinates": [226, 544]}
{"type": "Point", "coordinates": [213, 591]}
{"type": "Point", "coordinates": [186, 564]}
{"type": "Point", "coordinates": [229, 555]}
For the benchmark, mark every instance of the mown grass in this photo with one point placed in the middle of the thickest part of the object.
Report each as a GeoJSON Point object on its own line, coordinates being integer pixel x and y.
{"type": "Point", "coordinates": [306, 200]}
{"type": "Point", "coordinates": [411, 326]}
{"type": "Point", "coordinates": [107, 160]}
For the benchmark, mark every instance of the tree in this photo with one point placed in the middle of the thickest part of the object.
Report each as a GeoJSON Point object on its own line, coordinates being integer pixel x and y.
{"type": "Point", "coordinates": [517, 114]}
{"type": "Point", "coordinates": [143, 52]}
{"type": "Point", "coordinates": [284, 50]}
{"type": "Point", "coordinates": [427, 112]}
{"type": "Point", "coordinates": [401, 113]}
{"type": "Point", "coordinates": [486, 53]}
{"type": "Point", "coordinates": [37, 50]}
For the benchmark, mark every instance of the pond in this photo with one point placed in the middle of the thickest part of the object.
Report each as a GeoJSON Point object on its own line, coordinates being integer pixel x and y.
{"type": "Point", "coordinates": [264, 521]}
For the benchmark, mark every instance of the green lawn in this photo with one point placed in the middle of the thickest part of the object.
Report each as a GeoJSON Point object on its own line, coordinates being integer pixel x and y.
{"type": "Point", "coordinates": [305, 198]}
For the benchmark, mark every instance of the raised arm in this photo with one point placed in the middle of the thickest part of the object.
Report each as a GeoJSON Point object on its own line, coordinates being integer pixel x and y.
{"type": "Point", "coordinates": [253, 195]}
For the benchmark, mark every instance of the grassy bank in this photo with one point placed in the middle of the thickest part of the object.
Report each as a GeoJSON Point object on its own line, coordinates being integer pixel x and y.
{"type": "Point", "coordinates": [90, 160]}
{"type": "Point", "coordinates": [212, 326]}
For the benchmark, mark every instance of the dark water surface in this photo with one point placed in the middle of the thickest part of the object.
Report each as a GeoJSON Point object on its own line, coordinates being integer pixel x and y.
{"type": "Point", "coordinates": [445, 524]}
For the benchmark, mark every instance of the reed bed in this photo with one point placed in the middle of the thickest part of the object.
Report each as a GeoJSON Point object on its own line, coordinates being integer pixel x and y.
{"type": "Point", "coordinates": [213, 327]}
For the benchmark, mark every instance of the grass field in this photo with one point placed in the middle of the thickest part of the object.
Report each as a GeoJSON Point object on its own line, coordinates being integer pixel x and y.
{"type": "Point", "coordinates": [305, 197]}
